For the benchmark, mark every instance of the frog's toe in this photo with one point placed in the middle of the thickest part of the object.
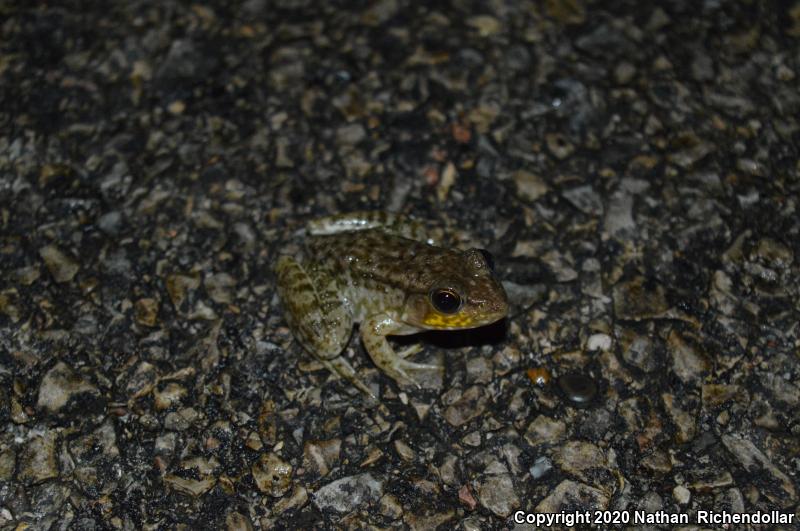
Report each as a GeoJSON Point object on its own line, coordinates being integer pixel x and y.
{"type": "Point", "coordinates": [343, 368]}
{"type": "Point", "coordinates": [423, 366]}
{"type": "Point", "coordinates": [402, 377]}
{"type": "Point", "coordinates": [400, 370]}
{"type": "Point", "coordinates": [410, 351]}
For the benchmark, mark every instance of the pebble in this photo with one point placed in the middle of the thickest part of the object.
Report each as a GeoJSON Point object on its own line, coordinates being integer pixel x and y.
{"type": "Point", "coordinates": [46, 503]}
{"type": "Point", "coordinates": [479, 370]}
{"type": "Point", "coordinates": [568, 493]}
{"type": "Point", "coordinates": [558, 145]}
{"type": "Point", "coordinates": [485, 24]}
{"type": "Point", "coordinates": [685, 421]}
{"type": "Point", "coordinates": [540, 467]}
{"type": "Point", "coordinates": [577, 388]}
{"type": "Point", "coordinates": [96, 448]}
{"type": "Point", "coordinates": [639, 299]}
{"type": "Point", "coordinates": [61, 267]}
{"type": "Point", "coordinates": [681, 494]}
{"type": "Point", "coordinates": [404, 451]}
{"type": "Point", "coordinates": [774, 483]}
{"type": "Point", "coordinates": [7, 463]}
{"type": "Point", "coordinates": [618, 221]}
{"type": "Point", "coordinates": [466, 497]}
{"type": "Point", "coordinates": [468, 406]}
{"type": "Point", "coordinates": [220, 287]}
{"type": "Point", "coordinates": [600, 342]}
{"type": "Point", "coordinates": [449, 470]}
{"type": "Point", "coordinates": [110, 223]}
{"type": "Point", "coordinates": [774, 254]}
{"type": "Point", "coordinates": [235, 521]}
{"type": "Point", "coordinates": [571, 12]}
{"type": "Point", "coordinates": [715, 395]}
{"type": "Point", "coordinates": [496, 493]}
{"type": "Point", "coordinates": [179, 287]}
{"type": "Point", "coordinates": [146, 311]}
{"type": "Point", "coordinates": [530, 186]}
{"type": "Point", "coordinates": [189, 486]}
{"type": "Point", "coordinates": [184, 62]}
{"type": "Point", "coordinates": [583, 460]}
{"type": "Point", "coordinates": [638, 350]}
{"type": "Point", "coordinates": [624, 73]}
{"type": "Point", "coordinates": [295, 500]}
{"type": "Point", "coordinates": [350, 135]}
{"type": "Point", "coordinates": [348, 493]}
{"type": "Point", "coordinates": [650, 503]}
{"type": "Point", "coordinates": [702, 67]}
{"type": "Point", "coordinates": [657, 461]}
{"type": "Point", "coordinates": [142, 381]}
{"type": "Point", "coordinates": [60, 385]}
{"type": "Point", "coordinates": [272, 475]}
{"type": "Point", "coordinates": [36, 461]}
{"type": "Point", "coordinates": [781, 389]}
{"type": "Point", "coordinates": [544, 430]}
{"type": "Point", "coordinates": [170, 395]}
{"type": "Point", "coordinates": [26, 275]}
{"type": "Point", "coordinates": [182, 419]}
{"type": "Point", "coordinates": [165, 444]}
{"type": "Point", "coordinates": [585, 199]}
{"type": "Point", "coordinates": [390, 507]}
{"type": "Point", "coordinates": [424, 521]}
{"type": "Point", "coordinates": [688, 363]}
{"type": "Point", "coordinates": [705, 479]}
{"type": "Point", "coordinates": [321, 456]}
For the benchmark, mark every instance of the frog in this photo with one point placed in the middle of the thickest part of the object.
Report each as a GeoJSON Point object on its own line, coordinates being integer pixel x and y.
{"type": "Point", "coordinates": [387, 274]}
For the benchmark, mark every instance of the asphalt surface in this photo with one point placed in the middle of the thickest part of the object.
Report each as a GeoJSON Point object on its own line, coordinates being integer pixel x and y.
{"type": "Point", "coordinates": [633, 170]}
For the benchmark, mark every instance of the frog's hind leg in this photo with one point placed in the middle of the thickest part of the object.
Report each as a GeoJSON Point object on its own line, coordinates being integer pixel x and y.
{"type": "Point", "coordinates": [397, 224]}
{"type": "Point", "coordinates": [317, 315]}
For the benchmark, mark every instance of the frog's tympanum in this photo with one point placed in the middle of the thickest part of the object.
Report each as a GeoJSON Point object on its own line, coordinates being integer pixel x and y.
{"type": "Point", "coordinates": [381, 271]}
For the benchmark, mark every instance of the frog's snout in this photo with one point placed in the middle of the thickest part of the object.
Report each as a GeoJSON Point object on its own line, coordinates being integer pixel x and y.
{"type": "Point", "coordinates": [490, 310]}
{"type": "Point", "coordinates": [496, 309]}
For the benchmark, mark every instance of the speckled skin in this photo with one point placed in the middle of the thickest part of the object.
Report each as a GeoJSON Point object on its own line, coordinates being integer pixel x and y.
{"type": "Point", "coordinates": [379, 270]}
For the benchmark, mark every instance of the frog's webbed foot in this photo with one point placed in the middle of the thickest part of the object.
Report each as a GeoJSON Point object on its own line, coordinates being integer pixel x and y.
{"type": "Point", "coordinates": [399, 370]}
{"type": "Point", "coordinates": [373, 332]}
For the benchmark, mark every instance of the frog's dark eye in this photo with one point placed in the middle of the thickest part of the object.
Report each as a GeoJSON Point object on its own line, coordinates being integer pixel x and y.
{"type": "Point", "coordinates": [446, 300]}
{"type": "Point", "coordinates": [488, 258]}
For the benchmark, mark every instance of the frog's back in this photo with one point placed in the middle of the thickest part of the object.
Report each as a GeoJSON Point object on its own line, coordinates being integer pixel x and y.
{"type": "Point", "coordinates": [379, 258]}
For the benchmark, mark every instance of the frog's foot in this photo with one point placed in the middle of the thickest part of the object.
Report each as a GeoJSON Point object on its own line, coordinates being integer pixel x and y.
{"type": "Point", "coordinates": [410, 351]}
{"type": "Point", "coordinates": [398, 369]}
{"type": "Point", "coordinates": [342, 367]}
{"type": "Point", "coordinates": [398, 224]}
{"type": "Point", "coordinates": [374, 331]}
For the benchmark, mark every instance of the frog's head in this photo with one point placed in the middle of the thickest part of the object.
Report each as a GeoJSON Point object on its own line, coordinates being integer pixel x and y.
{"type": "Point", "coordinates": [462, 292]}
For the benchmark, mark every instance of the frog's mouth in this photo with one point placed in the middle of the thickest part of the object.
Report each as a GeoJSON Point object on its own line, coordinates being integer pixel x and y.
{"type": "Point", "coordinates": [455, 321]}
{"type": "Point", "coordinates": [461, 320]}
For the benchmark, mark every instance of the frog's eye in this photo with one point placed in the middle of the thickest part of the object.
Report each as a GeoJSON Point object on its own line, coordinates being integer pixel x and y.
{"type": "Point", "coordinates": [446, 300]}
{"type": "Point", "coordinates": [488, 258]}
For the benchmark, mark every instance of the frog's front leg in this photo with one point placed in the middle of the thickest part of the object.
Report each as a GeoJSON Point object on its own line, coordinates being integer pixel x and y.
{"type": "Point", "coordinates": [374, 330]}
{"type": "Point", "coordinates": [317, 315]}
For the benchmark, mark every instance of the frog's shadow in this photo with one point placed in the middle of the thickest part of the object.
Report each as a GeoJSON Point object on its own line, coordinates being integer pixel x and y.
{"type": "Point", "coordinates": [491, 334]}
